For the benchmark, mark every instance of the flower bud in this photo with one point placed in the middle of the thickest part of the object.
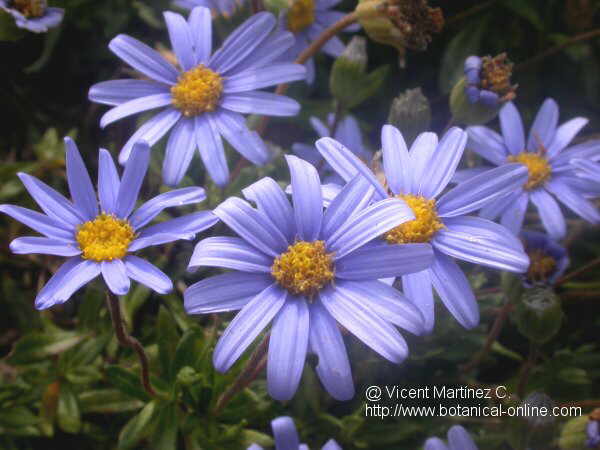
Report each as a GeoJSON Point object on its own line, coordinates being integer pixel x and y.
{"type": "Point", "coordinates": [410, 113]}
{"type": "Point", "coordinates": [573, 434]}
{"type": "Point", "coordinates": [477, 97]}
{"type": "Point", "coordinates": [403, 24]}
{"type": "Point", "coordinates": [539, 314]}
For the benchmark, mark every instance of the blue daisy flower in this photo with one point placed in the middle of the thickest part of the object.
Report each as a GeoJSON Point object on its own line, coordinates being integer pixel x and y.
{"type": "Point", "coordinates": [458, 439]}
{"type": "Point", "coordinates": [347, 132]}
{"type": "Point", "coordinates": [548, 260]}
{"type": "Point", "coordinates": [592, 430]}
{"type": "Point", "coordinates": [488, 80]}
{"type": "Point", "coordinates": [207, 98]}
{"type": "Point", "coordinates": [307, 270]}
{"type": "Point", "coordinates": [100, 238]}
{"type": "Point", "coordinates": [307, 19]}
{"type": "Point", "coordinates": [220, 7]}
{"type": "Point", "coordinates": [547, 156]}
{"type": "Point", "coordinates": [33, 15]}
{"type": "Point", "coordinates": [286, 437]}
{"type": "Point", "coordinates": [419, 177]}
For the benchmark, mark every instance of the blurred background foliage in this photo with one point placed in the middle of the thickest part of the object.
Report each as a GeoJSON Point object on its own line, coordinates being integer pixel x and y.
{"type": "Point", "coordinates": [65, 382]}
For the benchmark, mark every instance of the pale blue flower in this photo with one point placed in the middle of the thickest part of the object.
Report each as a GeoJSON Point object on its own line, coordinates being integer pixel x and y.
{"type": "Point", "coordinates": [547, 154]}
{"type": "Point", "coordinates": [458, 439]}
{"type": "Point", "coordinates": [286, 437]}
{"type": "Point", "coordinates": [101, 250]}
{"type": "Point", "coordinates": [420, 177]}
{"type": "Point", "coordinates": [539, 246]}
{"type": "Point", "coordinates": [306, 270]}
{"type": "Point", "coordinates": [45, 18]}
{"type": "Point", "coordinates": [204, 100]}
{"type": "Point", "coordinates": [220, 7]}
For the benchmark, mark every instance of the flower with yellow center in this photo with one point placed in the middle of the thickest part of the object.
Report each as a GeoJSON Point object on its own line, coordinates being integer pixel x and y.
{"type": "Point", "coordinates": [304, 269]}
{"type": "Point", "coordinates": [105, 238]}
{"type": "Point", "coordinates": [541, 265]}
{"type": "Point", "coordinates": [30, 8]}
{"type": "Point", "coordinates": [422, 228]}
{"type": "Point", "coordinates": [197, 91]}
{"type": "Point", "coordinates": [300, 15]}
{"type": "Point", "coordinates": [538, 167]}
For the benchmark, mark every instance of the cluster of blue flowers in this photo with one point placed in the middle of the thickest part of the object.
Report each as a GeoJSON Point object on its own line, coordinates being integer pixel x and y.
{"type": "Point", "coordinates": [365, 250]}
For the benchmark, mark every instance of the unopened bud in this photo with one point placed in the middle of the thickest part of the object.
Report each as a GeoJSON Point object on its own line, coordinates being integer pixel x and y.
{"type": "Point", "coordinates": [410, 113]}
{"type": "Point", "coordinates": [539, 314]}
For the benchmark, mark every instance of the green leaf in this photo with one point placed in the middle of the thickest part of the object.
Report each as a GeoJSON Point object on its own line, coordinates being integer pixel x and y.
{"type": "Point", "coordinates": [139, 427]}
{"type": "Point", "coordinates": [126, 381]}
{"type": "Point", "coordinates": [188, 349]}
{"type": "Point", "coordinates": [36, 346]}
{"type": "Point", "coordinates": [165, 435]}
{"type": "Point", "coordinates": [17, 417]}
{"type": "Point", "coordinates": [525, 10]}
{"type": "Point", "coordinates": [68, 414]}
{"type": "Point", "coordinates": [167, 342]}
{"type": "Point", "coordinates": [107, 401]}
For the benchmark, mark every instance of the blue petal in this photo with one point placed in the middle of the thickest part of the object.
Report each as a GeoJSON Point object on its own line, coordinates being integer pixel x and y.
{"type": "Point", "coordinates": [211, 150]}
{"type": "Point", "coordinates": [476, 192]}
{"type": "Point", "coordinates": [143, 58]}
{"type": "Point", "coordinates": [133, 176]}
{"type": "Point", "coordinates": [348, 309]}
{"type": "Point", "coordinates": [443, 163]}
{"type": "Point", "coordinates": [151, 131]}
{"type": "Point", "coordinates": [240, 44]}
{"type": "Point", "coordinates": [488, 144]}
{"type": "Point", "coordinates": [496, 207]}
{"type": "Point", "coordinates": [71, 276]}
{"type": "Point", "coordinates": [368, 224]}
{"type": "Point", "coordinates": [417, 288]}
{"type": "Point", "coordinates": [550, 213]}
{"type": "Point", "coordinates": [258, 102]}
{"type": "Point", "coordinates": [179, 152]}
{"type": "Point", "coordinates": [460, 176]}
{"type": "Point", "coordinates": [51, 202]}
{"type": "Point", "coordinates": [459, 439]}
{"type": "Point", "coordinates": [181, 39]}
{"type": "Point", "coordinates": [115, 276]}
{"type": "Point", "coordinates": [306, 194]}
{"type": "Point", "coordinates": [420, 153]}
{"type": "Point", "coordinates": [287, 349]}
{"type": "Point", "coordinates": [230, 253]}
{"type": "Point", "coordinates": [454, 290]}
{"type": "Point", "coordinates": [284, 431]}
{"type": "Point", "coordinates": [331, 444]}
{"type": "Point", "coordinates": [435, 444]}
{"type": "Point", "coordinates": [262, 77]}
{"type": "Point", "coordinates": [80, 184]}
{"type": "Point", "coordinates": [490, 247]}
{"type": "Point", "coordinates": [44, 246]}
{"type": "Point", "coordinates": [565, 134]}
{"type": "Point", "coordinates": [200, 25]}
{"type": "Point", "coordinates": [227, 292]}
{"type": "Point", "coordinates": [135, 106]}
{"type": "Point", "coordinates": [396, 162]}
{"type": "Point", "coordinates": [189, 224]}
{"type": "Point", "coordinates": [108, 182]}
{"type": "Point", "coordinates": [269, 51]}
{"type": "Point", "coordinates": [247, 325]}
{"type": "Point", "coordinates": [384, 260]}
{"type": "Point", "coordinates": [333, 366]}
{"type": "Point", "coordinates": [386, 302]}
{"type": "Point", "coordinates": [586, 150]}
{"type": "Point", "coordinates": [272, 201]}
{"type": "Point", "coordinates": [249, 144]}
{"type": "Point", "coordinates": [115, 92]}
{"type": "Point", "coordinates": [39, 222]}
{"type": "Point", "coordinates": [252, 225]}
{"type": "Point", "coordinates": [573, 200]}
{"type": "Point", "coordinates": [544, 126]}
{"type": "Point", "coordinates": [354, 197]}
{"type": "Point", "coordinates": [157, 239]}
{"type": "Point", "coordinates": [512, 128]}
{"type": "Point", "coordinates": [147, 274]}
{"type": "Point", "coordinates": [513, 216]}
{"type": "Point", "coordinates": [153, 207]}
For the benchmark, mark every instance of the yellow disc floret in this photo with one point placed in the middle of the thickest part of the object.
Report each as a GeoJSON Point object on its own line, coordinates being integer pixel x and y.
{"type": "Point", "coordinates": [197, 91]}
{"type": "Point", "coordinates": [422, 228]}
{"type": "Point", "coordinates": [541, 265]}
{"type": "Point", "coordinates": [105, 238]}
{"type": "Point", "coordinates": [304, 269]}
{"type": "Point", "coordinates": [300, 15]}
{"type": "Point", "coordinates": [30, 8]}
{"type": "Point", "coordinates": [538, 167]}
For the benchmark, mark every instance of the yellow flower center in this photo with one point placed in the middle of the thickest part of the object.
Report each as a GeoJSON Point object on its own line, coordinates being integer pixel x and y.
{"type": "Point", "coordinates": [541, 265]}
{"type": "Point", "coordinates": [300, 15]}
{"type": "Point", "coordinates": [197, 91]}
{"type": "Point", "coordinates": [538, 167]}
{"type": "Point", "coordinates": [30, 8]}
{"type": "Point", "coordinates": [304, 269]}
{"type": "Point", "coordinates": [422, 228]}
{"type": "Point", "coordinates": [104, 238]}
